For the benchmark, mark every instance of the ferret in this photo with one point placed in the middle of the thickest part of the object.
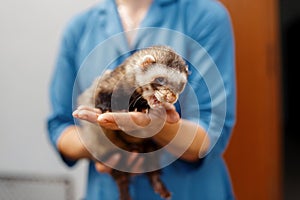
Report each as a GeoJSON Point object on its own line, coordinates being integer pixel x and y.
{"type": "Point", "coordinates": [146, 79]}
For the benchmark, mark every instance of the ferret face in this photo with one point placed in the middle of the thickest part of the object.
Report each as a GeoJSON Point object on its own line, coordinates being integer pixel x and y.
{"type": "Point", "coordinates": [160, 74]}
{"type": "Point", "coordinates": [160, 83]}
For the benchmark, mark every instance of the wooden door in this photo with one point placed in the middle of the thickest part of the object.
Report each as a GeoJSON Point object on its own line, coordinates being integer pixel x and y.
{"type": "Point", "coordinates": [254, 153]}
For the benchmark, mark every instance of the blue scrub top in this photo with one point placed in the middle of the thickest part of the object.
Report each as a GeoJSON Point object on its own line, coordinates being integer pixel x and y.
{"type": "Point", "coordinates": [201, 32]}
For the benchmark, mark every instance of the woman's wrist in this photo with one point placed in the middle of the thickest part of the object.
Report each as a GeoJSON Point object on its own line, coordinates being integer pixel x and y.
{"type": "Point", "coordinates": [189, 140]}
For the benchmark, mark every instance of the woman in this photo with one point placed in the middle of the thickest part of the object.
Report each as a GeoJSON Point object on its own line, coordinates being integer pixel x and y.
{"type": "Point", "coordinates": [201, 32]}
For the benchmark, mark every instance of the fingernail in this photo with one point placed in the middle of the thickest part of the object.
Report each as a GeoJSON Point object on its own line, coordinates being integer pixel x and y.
{"type": "Point", "coordinates": [75, 113]}
{"type": "Point", "coordinates": [102, 119]}
{"type": "Point", "coordinates": [82, 115]}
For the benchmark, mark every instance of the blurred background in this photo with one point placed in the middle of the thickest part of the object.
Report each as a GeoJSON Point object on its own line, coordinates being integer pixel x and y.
{"type": "Point", "coordinates": [30, 36]}
{"type": "Point", "coordinates": [262, 156]}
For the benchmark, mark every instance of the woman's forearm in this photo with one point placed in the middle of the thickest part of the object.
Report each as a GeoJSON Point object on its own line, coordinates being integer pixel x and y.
{"type": "Point", "coordinates": [70, 145]}
{"type": "Point", "coordinates": [189, 140]}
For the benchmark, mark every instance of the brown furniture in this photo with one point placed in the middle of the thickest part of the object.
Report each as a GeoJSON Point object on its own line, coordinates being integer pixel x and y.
{"type": "Point", "coordinates": [254, 153]}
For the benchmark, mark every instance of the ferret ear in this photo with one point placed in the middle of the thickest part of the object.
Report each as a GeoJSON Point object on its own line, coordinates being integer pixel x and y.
{"type": "Point", "coordinates": [147, 60]}
{"type": "Point", "coordinates": [187, 70]}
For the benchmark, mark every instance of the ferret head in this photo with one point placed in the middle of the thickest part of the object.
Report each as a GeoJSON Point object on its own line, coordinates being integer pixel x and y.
{"type": "Point", "coordinates": [161, 75]}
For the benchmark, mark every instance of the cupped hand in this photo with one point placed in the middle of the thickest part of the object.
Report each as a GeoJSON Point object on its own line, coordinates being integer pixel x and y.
{"type": "Point", "coordinates": [129, 121]}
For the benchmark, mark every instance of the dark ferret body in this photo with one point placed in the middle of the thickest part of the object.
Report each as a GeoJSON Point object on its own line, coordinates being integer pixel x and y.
{"type": "Point", "coordinates": [148, 78]}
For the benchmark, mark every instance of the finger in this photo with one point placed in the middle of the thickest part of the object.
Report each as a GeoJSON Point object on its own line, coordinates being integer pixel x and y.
{"type": "Point", "coordinates": [107, 166]}
{"type": "Point", "coordinates": [86, 108]}
{"type": "Point", "coordinates": [88, 115]}
{"type": "Point", "coordinates": [102, 168]}
{"type": "Point", "coordinates": [107, 120]}
{"type": "Point", "coordinates": [166, 111]}
{"type": "Point", "coordinates": [158, 114]}
{"type": "Point", "coordinates": [172, 116]}
{"type": "Point", "coordinates": [132, 158]}
{"type": "Point", "coordinates": [140, 119]}
{"type": "Point", "coordinates": [169, 106]}
{"type": "Point", "coordinates": [124, 121]}
{"type": "Point", "coordinates": [138, 166]}
{"type": "Point", "coordinates": [92, 109]}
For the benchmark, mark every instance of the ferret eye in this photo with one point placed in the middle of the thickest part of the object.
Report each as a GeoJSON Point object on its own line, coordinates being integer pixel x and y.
{"type": "Point", "coordinates": [160, 80]}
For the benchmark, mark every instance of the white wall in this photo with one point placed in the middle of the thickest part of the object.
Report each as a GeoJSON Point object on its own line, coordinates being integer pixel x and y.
{"type": "Point", "coordinates": [30, 31]}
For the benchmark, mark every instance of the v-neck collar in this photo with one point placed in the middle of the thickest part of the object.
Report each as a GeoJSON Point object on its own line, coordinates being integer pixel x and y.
{"type": "Point", "coordinates": [108, 8]}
